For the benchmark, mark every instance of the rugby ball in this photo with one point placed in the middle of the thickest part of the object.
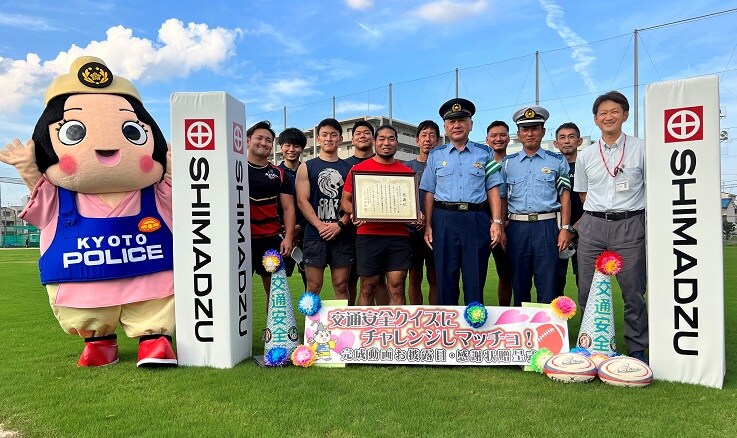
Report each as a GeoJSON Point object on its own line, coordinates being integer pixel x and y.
{"type": "Point", "coordinates": [625, 371]}
{"type": "Point", "coordinates": [550, 336]}
{"type": "Point", "coordinates": [570, 368]}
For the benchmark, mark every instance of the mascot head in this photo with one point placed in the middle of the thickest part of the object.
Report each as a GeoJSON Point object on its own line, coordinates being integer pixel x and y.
{"type": "Point", "coordinates": [95, 136]}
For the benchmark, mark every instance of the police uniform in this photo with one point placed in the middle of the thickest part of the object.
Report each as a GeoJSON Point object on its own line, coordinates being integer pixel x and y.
{"type": "Point", "coordinates": [532, 185]}
{"type": "Point", "coordinates": [459, 182]}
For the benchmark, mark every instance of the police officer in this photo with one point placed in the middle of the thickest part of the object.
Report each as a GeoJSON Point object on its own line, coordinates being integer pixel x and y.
{"type": "Point", "coordinates": [536, 187]}
{"type": "Point", "coordinates": [458, 227]}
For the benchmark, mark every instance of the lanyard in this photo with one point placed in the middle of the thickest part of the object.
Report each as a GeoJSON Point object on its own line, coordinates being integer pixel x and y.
{"type": "Point", "coordinates": [621, 158]}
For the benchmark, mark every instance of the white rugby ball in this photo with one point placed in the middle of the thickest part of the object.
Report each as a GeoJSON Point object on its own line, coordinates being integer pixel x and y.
{"type": "Point", "coordinates": [625, 371]}
{"type": "Point", "coordinates": [570, 368]}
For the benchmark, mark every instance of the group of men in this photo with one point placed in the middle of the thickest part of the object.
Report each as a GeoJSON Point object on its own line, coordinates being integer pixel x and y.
{"type": "Point", "coordinates": [530, 210]}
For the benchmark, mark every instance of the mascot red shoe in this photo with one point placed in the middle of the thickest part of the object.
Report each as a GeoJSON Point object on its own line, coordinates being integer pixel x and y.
{"type": "Point", "coordinates": [100, 176]}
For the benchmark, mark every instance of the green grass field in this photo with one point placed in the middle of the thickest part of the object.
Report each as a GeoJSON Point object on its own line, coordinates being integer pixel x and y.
{"type": "Point", "coordinates": [43, 393]}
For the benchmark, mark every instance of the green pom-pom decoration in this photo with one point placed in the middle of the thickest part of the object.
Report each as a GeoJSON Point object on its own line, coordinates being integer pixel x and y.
{"type": "Point", "coordinates": [537, 360]}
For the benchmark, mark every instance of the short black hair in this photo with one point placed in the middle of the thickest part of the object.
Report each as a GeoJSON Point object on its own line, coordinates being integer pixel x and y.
{"type": "Point", "coordinates": [331, 123]}
{"type": "Point", "coordinates": [569, 125]}
{"type": "Point", "coordinates": [364, 123]}
{"type": "Point", "coordinates": [386, 126]}
{"type": "Point", "coordinates": [427, 124]}
{"type": "Point", "coordinates": [496, 123]}
{"type": "Point", "coordinates": [54, 113]}
{"type": "Point", "coordinates": [264, 124]}
{"type": "Point", "coordinates": [614, 96]}
{"type": "Point", "coordinates": [292, 136]}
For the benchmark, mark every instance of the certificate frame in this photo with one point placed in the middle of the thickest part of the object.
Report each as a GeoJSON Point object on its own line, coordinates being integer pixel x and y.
{"type": "Point", "coordinates": [385, 197]}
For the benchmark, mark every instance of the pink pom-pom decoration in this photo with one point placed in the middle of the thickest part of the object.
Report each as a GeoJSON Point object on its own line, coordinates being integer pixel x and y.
{"type": "Point", "coordinates": [609, 263]}
{"type": "Point", "coordinates": [303, 356]}
{"type": "Point", "coordinates": [598, 358]}
{"type": "Point", "coordinates": [564, 307]}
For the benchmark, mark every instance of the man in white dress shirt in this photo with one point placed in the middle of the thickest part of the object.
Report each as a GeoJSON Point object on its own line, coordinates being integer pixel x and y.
{"type": "Point", "coordinates": [610, 180]}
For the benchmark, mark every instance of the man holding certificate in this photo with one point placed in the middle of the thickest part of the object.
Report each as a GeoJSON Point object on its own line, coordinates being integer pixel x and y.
{"type": "Point", "coordinates": [380, 193]}
{"type": "Point", "coordinates": [459, 183]}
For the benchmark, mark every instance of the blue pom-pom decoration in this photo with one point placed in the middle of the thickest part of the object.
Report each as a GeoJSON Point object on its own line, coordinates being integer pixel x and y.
{"type": "Point", "coordinates": [580, 350]}
{"type": "Point", "coordinates": [475, 314]}
{"type": "Point", "coordinates": [309, 303]}
{"type": "Point", "coordinates": [276, 357]}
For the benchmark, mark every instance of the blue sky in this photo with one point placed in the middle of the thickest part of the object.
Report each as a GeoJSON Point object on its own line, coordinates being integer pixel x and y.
{"type": "Point", "coordinates": [299, 54]}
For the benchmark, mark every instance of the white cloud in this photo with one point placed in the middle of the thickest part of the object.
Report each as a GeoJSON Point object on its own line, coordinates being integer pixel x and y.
{"type": "Point", "coordinates": [449, 11]}
{"type": "Point", "coordinates": [293, 47]}
{"type": "Point", "coordinates": [582, 54]}
{"type": "Point", "coordinates": [20, 80]}
{"type": "Point", "coordinates": [372, 32]}
{"type": "Point", "coordinates": [348, 107]}
{"type": "Point", "coordinates": [270, 94]}
{"type": "Point", "coordinates": [291, 87]}
{"type": "Point", "coordinates": [359, 4]}
{"type": "Point", "coordinates": [25, 22]}
{"type": "Point", "coordinates": [179, 51]}
{"type": "Point", "coordinates": [334, 69]}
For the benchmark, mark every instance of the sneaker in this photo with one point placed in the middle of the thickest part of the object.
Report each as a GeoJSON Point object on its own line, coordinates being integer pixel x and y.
{"type": "Point", "coordinates": [156, 351]}
{"type": "Point", "coordinates": [99, 352]}
{"type": "Point", "coordinates": [640, 355]}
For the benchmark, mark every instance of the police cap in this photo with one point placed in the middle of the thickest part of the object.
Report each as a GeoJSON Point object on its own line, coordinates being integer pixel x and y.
{"type": "Point", "coordinates": [530, 115]}
{"type": "Point", "coordinates": [89, 74]}
{"type": "Point", "coordinates": [457, 108]}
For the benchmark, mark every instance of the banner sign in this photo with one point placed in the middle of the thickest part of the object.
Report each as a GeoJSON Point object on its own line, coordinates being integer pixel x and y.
{"type": "Point", "coordinates": [432, 335]}
{"type": "Point", "coordinates": [684, 231]}
{"type": "Point", "coordinates": [212, 237]}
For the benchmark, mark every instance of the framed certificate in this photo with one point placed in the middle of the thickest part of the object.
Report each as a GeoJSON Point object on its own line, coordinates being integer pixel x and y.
{"type": "Point", "coordinates": [385, 197]}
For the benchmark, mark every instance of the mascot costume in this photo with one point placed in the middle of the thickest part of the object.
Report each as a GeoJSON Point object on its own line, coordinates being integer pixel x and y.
{"type": "Point", "coordinates": [99, 172]}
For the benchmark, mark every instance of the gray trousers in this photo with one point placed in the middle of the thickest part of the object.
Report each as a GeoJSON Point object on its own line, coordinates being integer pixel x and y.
{"type": "Point", "coordinates": [626, 237]}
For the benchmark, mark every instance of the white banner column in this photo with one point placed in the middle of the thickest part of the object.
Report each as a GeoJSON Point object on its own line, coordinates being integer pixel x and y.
{"type": "Point", "coordinates": [212, 233]}
{"type": "Point", "coordinates": [684, 231]}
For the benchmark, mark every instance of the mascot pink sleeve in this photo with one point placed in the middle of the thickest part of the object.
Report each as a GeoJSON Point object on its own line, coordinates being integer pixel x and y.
{"type": "Point", "coordinates": [100, 176]}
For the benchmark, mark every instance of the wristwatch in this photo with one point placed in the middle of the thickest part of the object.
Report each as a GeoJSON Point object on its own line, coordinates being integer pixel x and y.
{"type": "Point", "coordinates": [498, 221]}
{"type": "Point", "coordinates": [340, 224]}
{"type": "Point", "coordinates": [569, 228]}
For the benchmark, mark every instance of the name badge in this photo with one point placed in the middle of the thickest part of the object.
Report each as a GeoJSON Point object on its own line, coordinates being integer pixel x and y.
{"type": "Point", "coordinates": [622, 186]}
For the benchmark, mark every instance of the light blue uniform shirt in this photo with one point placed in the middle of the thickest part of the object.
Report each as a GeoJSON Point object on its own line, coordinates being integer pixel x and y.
{"type": "Point", "coordinates": [455, 176]}
{"type": "Point", "coordinates": [532, 183]}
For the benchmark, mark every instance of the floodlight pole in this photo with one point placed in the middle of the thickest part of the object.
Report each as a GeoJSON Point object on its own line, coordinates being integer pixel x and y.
{"type": "Point", "coordinates": [456, 81]}
{"type": "Point", "coordinates": [637, 94]}
{"type": "Point", "coordinates": [537, 77]}
{"type": "Point", "coordinates": [391, 89]}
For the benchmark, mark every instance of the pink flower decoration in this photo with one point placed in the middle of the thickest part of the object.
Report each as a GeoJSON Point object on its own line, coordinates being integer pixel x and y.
{"type": "Point", "coordinates": [564, 307]}
{"type": "Point", "coordinates": [303, 356]}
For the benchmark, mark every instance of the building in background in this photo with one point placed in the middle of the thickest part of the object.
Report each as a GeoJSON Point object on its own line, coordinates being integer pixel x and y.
{"type": "Point", "coordinates": [9, 216]}
{"type": "Point", "coordinates": [14, 231]}
{"type": "Point", "coordinates": [729, 208]}
{"type": "Point", "coordinates": [407, 150]}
